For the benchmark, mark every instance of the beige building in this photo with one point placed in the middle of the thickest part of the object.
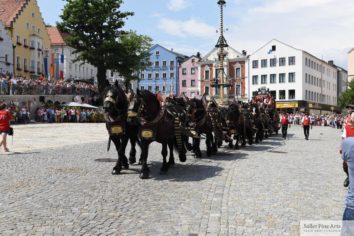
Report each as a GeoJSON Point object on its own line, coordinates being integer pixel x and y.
{"type": "Point", "coordinates": [26, 28]}
{"type": "Point", "coordinates": [351, 65]}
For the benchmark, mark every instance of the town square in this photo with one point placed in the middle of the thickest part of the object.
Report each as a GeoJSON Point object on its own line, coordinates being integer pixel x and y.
{"type": "Point", "coordinates": [177, 117]}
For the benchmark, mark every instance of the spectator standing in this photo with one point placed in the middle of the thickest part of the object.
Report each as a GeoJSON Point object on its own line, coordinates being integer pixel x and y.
{"type": "Point", "coordinates": [348, 215]}
{"type": "Point", "coordinates": [306, 125]}
{"type": "Point", "coordinates": [284, 121]}
{"type": "Point", "coordinates": [5, 118]}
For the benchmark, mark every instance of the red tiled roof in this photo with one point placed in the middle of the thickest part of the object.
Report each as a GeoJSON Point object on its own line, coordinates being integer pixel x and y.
{"type": "Point", "coordinates": [9, 10]}
{"type": "Point", "coordinates": [55, 36]}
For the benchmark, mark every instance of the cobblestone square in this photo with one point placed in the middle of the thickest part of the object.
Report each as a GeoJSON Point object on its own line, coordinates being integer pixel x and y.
{"type": "Point", "coordinates": [57, 181]}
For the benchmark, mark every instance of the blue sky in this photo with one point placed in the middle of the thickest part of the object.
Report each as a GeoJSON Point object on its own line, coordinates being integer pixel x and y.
{"type": "Point", "coordinates": [322, 27]}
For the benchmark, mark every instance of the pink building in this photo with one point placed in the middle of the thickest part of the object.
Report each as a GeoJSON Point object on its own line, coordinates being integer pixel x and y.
{"type": "Point", "coordinates": [188, 77]}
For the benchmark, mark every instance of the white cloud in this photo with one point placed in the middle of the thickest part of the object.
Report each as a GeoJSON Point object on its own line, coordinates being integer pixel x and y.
{"type": "Point", "coordinates": [189, 28]}
{"type": "Point", "coordinates": [324, 28]}
{"type": "Point", "coordinates": [177, 5]}
{"type": "Point", "coordinates": [284, 6]}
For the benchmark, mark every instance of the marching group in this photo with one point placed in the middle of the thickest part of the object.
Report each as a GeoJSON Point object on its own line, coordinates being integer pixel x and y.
{"type": "Point", "coordinates": [17, 85]}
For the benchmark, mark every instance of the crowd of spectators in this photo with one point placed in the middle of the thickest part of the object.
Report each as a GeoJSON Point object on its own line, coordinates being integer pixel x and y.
{"type": "Point", "coordinates": [17, 85]}
{"type": "Point", "coordinates": [333, 120]}
{"type": "Point", "coordinates": [61, 115]}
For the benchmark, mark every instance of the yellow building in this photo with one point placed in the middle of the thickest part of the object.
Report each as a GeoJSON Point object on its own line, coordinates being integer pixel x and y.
{"type": "Point", "coordinates": [30, 39]}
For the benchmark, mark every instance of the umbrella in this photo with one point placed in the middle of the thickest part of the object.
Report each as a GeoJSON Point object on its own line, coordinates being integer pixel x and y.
{"type": "Point", "coordinates": [76, 104]}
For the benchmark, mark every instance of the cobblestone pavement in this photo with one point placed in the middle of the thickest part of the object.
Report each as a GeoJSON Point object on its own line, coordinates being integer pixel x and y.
{"type": "Point", "coordinates": [60, 183]}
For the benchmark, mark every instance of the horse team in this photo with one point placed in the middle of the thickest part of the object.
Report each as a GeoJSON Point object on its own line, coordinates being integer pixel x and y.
{"type": "Point", "coordinates": [180, 125]}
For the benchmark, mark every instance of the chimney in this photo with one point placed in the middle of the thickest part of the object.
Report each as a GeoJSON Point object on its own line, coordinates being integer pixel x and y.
{"type": "Point", "coordinates": [331, 62]}
{"type": "Point", "coordinates": [244, 52]}
{"type": "Point", "coordinates": [172, 49]}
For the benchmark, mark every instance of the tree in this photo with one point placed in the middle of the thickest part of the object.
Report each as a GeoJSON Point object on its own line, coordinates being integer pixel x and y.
{"type": "Point", "coordinates": [348, 96]}
{"type": "Point", "coordinates": [95, 29]}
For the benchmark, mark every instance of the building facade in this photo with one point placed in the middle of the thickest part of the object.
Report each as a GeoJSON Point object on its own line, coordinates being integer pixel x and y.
{"type": "Point", "coordinates": [235, 71]}
{"type": "Point", "coordinates": [188, 77]}
{"type": "Point", "coordinates": [351, 65]}
{"type": "Point", "coordinates": [25, 25]}
{"type": "Point", "coordinates": [342, 79]}
{"type": "Point", "coordinates": [162, 74]}
{"type": "Point", "coordinates": [296, 79]}
{"type": "Point", "coordinates": [6, 51]}
{"type": "Point", "coordinates": [63, 64]}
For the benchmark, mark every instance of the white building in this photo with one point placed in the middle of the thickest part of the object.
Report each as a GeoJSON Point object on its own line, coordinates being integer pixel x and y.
{"type": "Point", "coordinates": [113, 76]}
{"type": "Point", "coordinates": [6, 51]}
{"type": "Point", "coordinates": [297, 79]}
{"type": "Point", "coordinates": [62, 64]}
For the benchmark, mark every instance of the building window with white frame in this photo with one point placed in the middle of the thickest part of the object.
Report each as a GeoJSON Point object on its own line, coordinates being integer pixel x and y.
{"type": "Point", "coordinates": [255, 64]}
{"type": "Point", "coordinates": [263, 79]}
{"type": "Point", "coordinates": [192, 83]}
{"type": "Point", "coordinates": [172, 75]}
{"type": "Point", "coordinates": [281, 94]}
{"type": "Point", "coordinates": [184, 83]}
{"type": "Point", "coordinates": [264, 63]}
{"type": "Point", "coordinates": [150, 88]}
{"type": "Point", "coordinates": [164, 64]}
{"type": "Point", "coordinates": [172, 64]}
{"type": "Point", "coordinates": [273, 62]}
{"type": "Point", "coordinates": [238, 72]}
{"type": "Point", "coordinates": [206, 90]}
{"type": "Point", "coordinates": [142, 76]}
{"type": "Point", "coordinates": [207, 75]}
{"type": "Point", "coordinates": [184, 71]}
{"type": "Point", "coordinates": [157, 53]}
{"type": "Point", "coordinates": [238, 90]}
{"type": "Point", "coordinates": [193, 71]}
{"type": "Point", "coordinates": [157, 64]}
{"type": "Point", "coordinates": [292, 77]}
{"type": "Point", "coordinates": [291, 94]}
{"type": "Point", "coordinates": [255, 79]}
{"type": "Point", "coordinates": [157, 75]}
{"type": "Point", "coordinates": [282, 61]}
{"type": "Point", "coordinates": [149, 76]}
{"type": "Point", "coordinates": [281, 78]}
{"type": "Point", "coordinates": [164, 75]}
{"type": "Point", "coordinates": [157, 88]}
{"type": "Point", "coordinates": [273, 78]}
{"type": "Point", "coordinates": [291, 61]}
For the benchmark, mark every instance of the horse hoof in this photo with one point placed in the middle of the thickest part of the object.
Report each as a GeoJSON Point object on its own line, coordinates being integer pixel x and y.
{"type": "Point", "coordinates": [144, 175]}
{"type": "Point", "coordinates": [182, 158]}
{"type": "Point", "coordinates": [132, 160]}
{"type": "Point", "coordinates": [116, 171]}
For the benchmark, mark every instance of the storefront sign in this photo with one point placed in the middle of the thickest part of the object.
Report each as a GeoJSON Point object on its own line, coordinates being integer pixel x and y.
{"type": "Point", "coordinates": [280, 105]}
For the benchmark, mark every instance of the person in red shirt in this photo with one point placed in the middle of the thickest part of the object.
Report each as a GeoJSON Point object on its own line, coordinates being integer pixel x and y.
{"type": "Point", "coordinates": [306, 125]}
{"type": "Point", "coordinates": [284, 121]}
{"type": "Point", "coordinates": [5, 118]}
{"type": "Point", "coordinates": [348, 131]}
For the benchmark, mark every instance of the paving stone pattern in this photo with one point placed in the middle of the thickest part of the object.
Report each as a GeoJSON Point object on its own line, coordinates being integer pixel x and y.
{"type": "Point", "coordinates": [59, 182]}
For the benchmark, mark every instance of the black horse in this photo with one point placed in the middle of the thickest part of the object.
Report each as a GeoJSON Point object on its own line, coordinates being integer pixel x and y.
{"type": "Point", "coordinates": [157, 125]}
{"type": "Point", "coordinates": [196, 110]}
{"type": "Point", "coordinates": [115, 105]}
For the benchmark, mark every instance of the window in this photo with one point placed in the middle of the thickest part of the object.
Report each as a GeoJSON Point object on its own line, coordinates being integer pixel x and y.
{"type": "Point", "coordinates": [18, 62]}
{"type": "Point", "coordinates": [264, 63]}
{"type": "Point", "coordinates": [149, 76]}
{"type": "Point", "coordinates": [291, 61]}
{"type": "Point", "coordinates": [142, 87]}
{"type": "Point", "coordinates": [27, 25]}
{"type": "Point", "coordinates": [6, 58]}
{"type": "Point", "coordinates": [149, 88]}
{"type": "Point", "coordinates": [184, 83]}
{"type": "Point", "coordinates": [157, 88]}
{"type": "Point", "coordinates": [263, 79]}
{"type": "Point", "coordinates": [273, 78]}
{"type": "Point", "coordinates": [281, 94]}
{"type": "Point", "coordinates": [157, 53]}
{"type": "Point", "coordinates": [206, 90]}
{"type": "Point", "coordinates": [157, 64]}
{"type": "Point", "coordinates": [255, 64]}
{"type": "Point", "coordinates": [305, 77]}
{"type": "Point", "coordinates": [292, 94]}
{"type": "Point", "coordinates": [192, 83]}
{"type": "Point", "coordinates": [33, 14]}
{"type": "Point", "coordinates": [163, 88]}
{"type": "Point", "coordinates": [255, 79]}
{"type": "Point", "coordinates": [172, 63]}
{"type": "Point", "coordinates": [192, 71]}
{"type": "Point", "coordinates": [172, 75]}
{"type": "Point", "coordinates": [272, 62]}
{"type": "Point", "coordinates": [281, 78]}
{"type": "Point", "coordinates": [18, 40]}
{"type": "Point", "coordinates": [157, 75]}
{"type": "Point", "coordinates": [142, 76]}
{"type": "Point", "coordinates": [207, 75]}
{"type": "Point", "coordinates": [164, 75]}
{"type": "Point", "coordinates": [282, 61]}
{"type": "Point", "coordinates": [292, 77]}
{"type": "Point", "coordinates": [305, 61]}
{"type": "Point", "coordinates": [25, 42]}
{"type": "Point", "coordinates": [238, 72]}
{"type": "Point", "coordinates": [164, 63]}
{"type": "Point", "coordinates": [274, 94]}
{"type": "Point", "coordinates": [25, 64]}
{"type": "Point", "coordinates": [184, 71]}
{"type": "Point", "coordinates": [238, 90]}
{"type": "Point", "coordinates": [112, 73]}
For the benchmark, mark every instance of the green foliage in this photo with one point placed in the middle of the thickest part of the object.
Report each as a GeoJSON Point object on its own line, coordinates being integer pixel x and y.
{"type": "Point", "coordinates": [95, 29]}
{"type": "Point", "coordinates": [348, 96]}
